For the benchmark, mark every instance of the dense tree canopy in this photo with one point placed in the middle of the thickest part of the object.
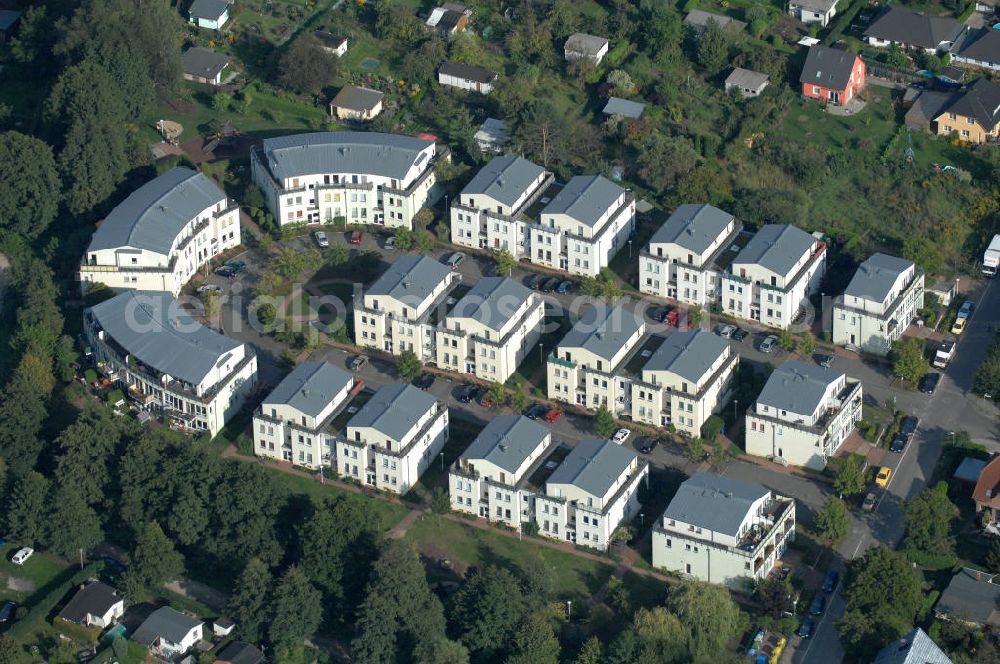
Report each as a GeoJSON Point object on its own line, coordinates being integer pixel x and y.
{"type": "Point", "coordinates": [29, 184]}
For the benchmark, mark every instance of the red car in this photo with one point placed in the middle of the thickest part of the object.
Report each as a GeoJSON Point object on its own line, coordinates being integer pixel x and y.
{"type": "Point", "coordinates": [672, 317]}
{"type": "Point", "coordinates": [552, 415]}
{"type": "Point", "coordinates": [356, 237]}
{"type": "Point", "coordinates": [684, 323]}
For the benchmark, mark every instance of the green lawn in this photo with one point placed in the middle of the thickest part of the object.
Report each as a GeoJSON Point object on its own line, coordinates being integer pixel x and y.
{"type": "Point", "coordinates": [391, 513]}
{"type": "Point", "coordinates": [41, 572]}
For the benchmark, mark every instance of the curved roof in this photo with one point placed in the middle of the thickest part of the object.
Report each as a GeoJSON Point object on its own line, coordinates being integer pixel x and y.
{"type": "Point", "coordinates": [371, 153]}
{"type": "Point", "coordinates": [798, 387]}
{"type": "Point", "coordinates": [410, 279]}
{"type": "Point", "coordinates": [492, 302]}
{"type": "Point", "coordinates": [153, 215]}
{"type": "Point", "coordinates": [876, 276]}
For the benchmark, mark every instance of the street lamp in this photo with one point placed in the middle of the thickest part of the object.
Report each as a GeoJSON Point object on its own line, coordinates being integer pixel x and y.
{"type": "Point", "coordinates": [630, 248]}
{"type": "Point", "coordinates": [569, 609]}
{"type": "Point", "coordinates": [442, 461]}
{"type": "Point", "coordinates": [642, 521]}
{"type": "Point", "coordinates": [736, 403]}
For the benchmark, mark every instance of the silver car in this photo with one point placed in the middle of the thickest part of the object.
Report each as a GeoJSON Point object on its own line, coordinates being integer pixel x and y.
{"type": "Point", "coordinates": [321, 240]}
{"type": "Point", "coordinates": [725, 331]}
{"type": "Point", "coordinates": [768, 344]}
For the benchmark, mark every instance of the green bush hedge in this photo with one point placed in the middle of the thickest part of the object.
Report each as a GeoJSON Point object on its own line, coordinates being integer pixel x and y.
{"type": "Point", "coordinates": [711, 428]}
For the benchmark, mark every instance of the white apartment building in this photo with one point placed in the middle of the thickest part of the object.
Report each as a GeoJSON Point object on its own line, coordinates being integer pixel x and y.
{"type": "Point", "coordinates": [345, 177]}
{"type": "Point", "coordinates": [492, 478]}
{"type": "Point", "coordinates": [491, 211]}
{"type": "Point", "coordinates": [167, 362]}
{"type": "Point", "coordinates": [722, 530]}
{"type": "Point", "coordinates": [587, 367]}
{"type": "Point", "coordinates": [880, 302]}
{"type": "Point", "coordinates": [490, 330]}
{"type": "Point", "coordinates": [392, 440]}
{"type": "Point", "coordinates": [161, 234]}
{"type": "Point", "coordinates": [398, 312]}
{"type": "Point", "coordinates": [803, 415]}
{"type": "Point", "coordinates": [591, 493]}
{"type": "Point", "coordinates": [583, 227]}
{"type": "Point", "coordinates": [293, 422]}
{"type": "Point", "coordinates": [684, 381]}
{"type": "Point", "coordinates": [688, 255]}
{"type": "Point", "coordinates": [773, 276]}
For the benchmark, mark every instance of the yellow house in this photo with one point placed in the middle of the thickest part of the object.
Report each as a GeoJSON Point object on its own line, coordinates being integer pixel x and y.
{"type": "Point", "coordinates": [973, 114]}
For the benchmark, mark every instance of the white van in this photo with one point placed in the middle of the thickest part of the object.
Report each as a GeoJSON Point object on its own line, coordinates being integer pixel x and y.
{"type": "Point", "coordinates": [22, 555]}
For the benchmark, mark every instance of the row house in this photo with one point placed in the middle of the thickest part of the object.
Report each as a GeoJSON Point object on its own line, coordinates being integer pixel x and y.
{"type": "Point", "coordinates": [720, 530]}
{"type": "Point", "coordinates": [345, 177]}
{"type": "Point", "coordinates": [161, 234]}
{"type": "Point", "coordinates": [393, 438]}
{"type": "Point", "coordinates": [803, 415]}
{"type": "Point", "coordinates": [167, 362]}
{"type": "Point", "coordinates": [884, 295]}
{"type": "Point", "coordinates": [293, 422]}
{"type": "Point", "coordinates": [399, 311]}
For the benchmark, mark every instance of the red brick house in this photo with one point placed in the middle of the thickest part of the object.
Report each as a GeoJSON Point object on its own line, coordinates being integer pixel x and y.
{"type": "Point", "coordinates": [832, 75]}
{"type": "Point", "coordinates": [987, 492]}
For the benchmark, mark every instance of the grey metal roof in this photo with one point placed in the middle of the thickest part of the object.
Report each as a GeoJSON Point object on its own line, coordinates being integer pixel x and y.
{"type": "Point", "coordinates": [154, 214]}
{"type": "Point", "coordinates": [776, 247]}
{"type": "Point", "coordinates": [698, 18]}
{"type": "Point", "coordinates": [822, 6]}
{"type": "Point", "coordinates": [969, 470]}
{"type": "Point", "coordinates": [693, 227]}
{"type": "Point", "coordinates": [585, 44]}
{"type": "Point", "coordinates": [154, 328]}
{"type": "Point", "coordinates": [585, 198]}
{"type": "Point", "coordinates": [875, 277]}
{"type": "Point", "coordinates": [797, 387]}
{"type": "Point", "coordinates": [970, 596]}
{"type": "Point", "coordinates": [906, 26]}
{"type": "Point", "coordinates": [688, 353]}
{"type": "Point", "coordinates": [203, 62]}
{"type": "Point", "coordinates": [212, 9]}
{"type": "Point", "coordinates": [467, 72]}
{"type": "Point", "coordinates": [624, 107]}
{"type": "Point", "coordinates": [913, 648]}
{"type": "Point", "coordinates": [355, 98]}
{"type": "Point", "coordinates": [828, 67]}
{"type": "Point", "coordinates": [310, 387]}
{"type": "Point", "coordinates": [393, 410]}
{"type": "Point", "coordinates": [505, 179]}
{"type": "Point", "coordinates": [604, 332]}
{"type": "Point", "coordinates": [507, 441]}
{"type": "Point", "coordinates": [713, 502]}
{"type": "Point", "coordinates": [95, 599]}
{"type": "Point", "coordinates": [593, 466]}
{"type": "Point", "coordinates": [410, 279]}
{"type": "Point", "coordinates": [371, 153]}
{"type": "Point", "coordinates": [746, 78]}
{"type": "Point", "coordinates": [492, 301]}
{"type": "Point", "coordinates": [493, 130]}
{"type": "Point", "coordinates": [166, 623]}
{"type": "Point", "coordinates": [240, 652]}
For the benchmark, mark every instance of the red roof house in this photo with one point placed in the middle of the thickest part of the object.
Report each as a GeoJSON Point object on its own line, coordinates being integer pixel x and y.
{"type": "Point", "coordinates": [987, 491]}
{"type": "Point", "coordinates": [832, 75]}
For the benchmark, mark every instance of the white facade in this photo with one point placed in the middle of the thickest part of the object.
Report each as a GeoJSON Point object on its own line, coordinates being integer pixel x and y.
{"type": "Point", "coordinates": [466, 77]}
{"type": "Point", "coordinates": [803, 415]}
{"type": "Point", "coordinates": [581, 46]}
{"type": "Point", "coordinates": [813, 11]}
{"type": "Point", "coordinates": [345, 177]}
{"type": "Point", "coordinates": [162, 234]}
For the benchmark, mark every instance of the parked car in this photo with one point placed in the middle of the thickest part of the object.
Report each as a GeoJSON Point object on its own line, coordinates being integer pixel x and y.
{"type": "Point", "coordinates": [390, 244]}
{"type": "Point", "coordinates": [768, 344]}
{"type": "Point", "coordinates": [321, 240]}
{"type": "Point", "coordinates": [806, 628]}
{"type": "Point", "coordinates": [7, 611]}
{"type": "Point", "coordinates": [929, 383]}
{"type": "Point", "coordinates": [646, 445]}
{"type": "Point", "coordinates": [225, 271]}
{"type": "Point", "coordinates": [672, 317]}
{"type": "Point", "coordinates": [818, 605]}
{"type": "Point", "coordinates": [870, 501]}
{"type": "Point", "coordinates": [454, 260]}
{"type": "Point", "coordinates": [831, 580]}
{"type": "Point", "coordinates": [909, 425]}
{"type": "Point", "coordinates": [883, 476]}
{"type": "Point", "coordinates": [424, 381]}
{"type": "Point", "coordinates": [660, 314]}
{"type": "Point", "coordinates": [468, 393]}
{"type": "Point", "coordinates": [552, 415]}
{"type": "Point", "coordinates": [22, 555]}
{"type": "Point", "coordinates": [824, 361]}
{"type": "Point", "coordinates": [966, 309]}
{"type": "Point", "coordinates": [534, 282]}
{"type": "Point", "coordinates": [356, 237]}
{"type": "Point", "coordinates": [725, 331]}
{"type": "Point", "coordinates": [959, 325]}
{"type": "Point", "coordinates": [550, 285]}
{"type": "Point", "coordinates": [239, 266]}
{"type": "Point", "coordinates": [621, 436]}
{"type": "Point", "coordinates": [358, 362]}
{"type": "Point", "coordinates": [898, 443]}
{"type": "Point", "coordinates": [564, 287]}
{"type": "Point", "coordinates": [209, 288]}
{"type": "Point", "coordinates": [535, 411]}
{"type": "Point", "coordinates": [739, 334]}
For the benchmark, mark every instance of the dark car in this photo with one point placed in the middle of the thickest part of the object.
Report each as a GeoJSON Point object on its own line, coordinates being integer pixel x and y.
{"type": "Point", "coordinates": [739, 334]}
{"type": "Point", "coordinates": [423, 381]}
{"type": "Point", "coordinates": [817, 606]}
{"type": "Point", "coordinates": [830, 581]}
{"type": "Point", "coordinates": [824, 360]}
{"type": "Point", "coordinates": [929, 383]}
{"type": "Point", "coordinates": [646, 445]}
{"type": "Point", "coordinates": [806, 628]}
{"type": "Point", "coordinates": [536, 411]}
{"type": "Point", "coordinates": [909, 425]}
{"type": "Point", "coordinates": [225, 271]}
{"type": "Point", "coordinates": [7, 611]}
{"type": "Point", "coordinates": [550, 285]}
{"type": "Point", "coordinates": [564, 287]}
{"type": "Point", "coordinates": [535, 282]}
{"type": "Point", "coordinates": [898, 443]}
{"type": "Point", "coordinates": [117, 566]}
{"type": "Point", "coordinates": [660, 315]}
{"type": "Point", "coordinates": [468, 393]}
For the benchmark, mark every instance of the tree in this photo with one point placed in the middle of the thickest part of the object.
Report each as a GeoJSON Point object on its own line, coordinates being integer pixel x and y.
{"type": "Point", "coordinates": [908, 361]}
{"type": "Point", "coordinates": [423, 240]}
{"type": "Point", "coordinates": [807, 344]}
{"type": "Point", "coordinates": [306, 66]}
{"type": "Point", "coordinates": [708, 613]}
{"type": "Point", "coordinates": [895, 57]}
{"type": "Point", "coordinates": [441, 651]}
{"type": "Point", "coordinates": [338, 255]}
{"type": "Point", "coordinates": [850, 479]}
{"type": "Point", "coordinates": [538, 581]}
{"type": "Point", "coordinates": [660, 637]}
{"type": "Point", "coordinates": [662, 160]}
{"type": "Point", "coordinates": [497, 393]}
{"type": "Point", "coordinates": [542, 132]}
{"type": "Point", "coordinates": [591, 653]}
{"type": "Point", "coordinates": [833, 521]}
{"type": "Point", "coordinates": [773, 595]}
{"type": "Point", "coordinates": [86, 448]}
{"type": "Point", "coordinates": [72, 524]}
{"type": "Point", "coordinates": [786, 341]}
{"type": "Point", "coordinates": [695, 314]}
{"type": "Point", "coordinates": [188, 517]}
{"type": "Point", "coordinates": [695, 448]}
{"type": "Point", "coordinates": [249, 603]}
{"type": "Point", "coordinates": [297, 609]}
{"type": "Point", "coordinates": [29, 184]}
{"type": "Point", "coordinates": [929, 517]}
{"type": "Point", "coordinates": [221, 101]}
{"type": "Point", "coordinates": [993, 556]}
{"type": "Point", "coordinates": [9, 650]}
{"type": "Point", "coordinates": [486, 612]}
{"type": "Point", "coordinates": [535, 642]}
{"type": "Point", "coordinates": [153, 562]}
{"type": "Point", "coordinates": [409, 365]}
{"type": "Point", "coordinates": [713, 48]}
{"type": "Point", "coordinates": [505, 263]}
{"type": "Point", "coordinates": [604, 423]}
{"type": "Point", "coordinates": [25, 508]}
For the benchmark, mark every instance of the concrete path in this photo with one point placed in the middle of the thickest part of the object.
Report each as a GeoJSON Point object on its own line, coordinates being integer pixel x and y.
{"type": "Point", "coordinates": [199, 592]}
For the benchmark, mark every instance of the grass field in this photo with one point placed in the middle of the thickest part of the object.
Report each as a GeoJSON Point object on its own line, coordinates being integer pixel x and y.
{"type": "Point", "coordinates": [40, 573]}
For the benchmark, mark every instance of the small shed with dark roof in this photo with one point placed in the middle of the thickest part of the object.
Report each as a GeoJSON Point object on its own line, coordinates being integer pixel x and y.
{"type": "Point", "coordinates": [331, 43]}
{"type": "Point", "coordinates": [94, 605]}
{"type": "Point", "coordinates": [356, 103]}
{"type": "Point", "coordinates": [203, 66]}
{"type": "Point", "coordinates": [466, 77]}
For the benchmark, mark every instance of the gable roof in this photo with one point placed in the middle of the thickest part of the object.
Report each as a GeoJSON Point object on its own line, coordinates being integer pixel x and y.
{"type": "Point", "coordinates": [154, 328]}
{"type": "Point", "coordinates": [585, 199]}
{"type": "Point", "coordinates": [410, 279]}
{"type": "Point", "coordinates": [394, 410]}
{"type": "Point", "coordinates": [492, 301]}
{"type": "Point", "coordinates": [693, 227]}
{"type": "Point", "coordinates": [713, 502]}
{"type": "Point", "coordinates": [604, 333]}
{"type": "Point", "coordinates": [586, 44]}
{"type": "Point", "coordinates": [776, 247]}
{"type": "Point", "coordinates": [494, 131]}
{"type": "Point", "coordinates": [828, 67]}
{"type": "Point", "coordinates": [239, 652]}
{"type": "Point", "coordinates": [875, 277]}
{"type": "Point", "coordinates": [202, 62]}
{"type": "Point", "coordinates": [93, 599]}
{"type": "Point", "coordinates": [374, 153]}
{"type": "Point", "coordinates": [8, 17]}
{"type": "Point", "coordinates": [329, 40]}
{"type": "Point", "coordinates": [987, 491]}
{"type": "Point", "coordinates": [821, 6]}
{"type": "Point", "coordinates": [310, 387]}
{"type": "Point", "coordinates": [797, 387]}
{"type": "Point", "coordinates": [152, 216]}
{"type": "Point", "coordinates": [982, 45]}
{"type": "Point", "coordinates": [688, 353]}
{"type": "Point", "coordinates": [698, 18]}
{"type": "Point", "coordinates": [746, 78]}
{"type": "Point", "coordinates": [624, 107]}
{"type": "Point", "coordinates": [507, 441]}
{"type": "Point", "coordinates": [971, 597]}
{"type": "Point", "coordinates": [212, 9]}
{"type": "Point", "coordinates": [913, 648]}
{"type": "Point", "coordinates": [356, 98]}
{"type": "Point", "coordinates": [593, 466]}
{"type": "Point", "coordinates": [164, 623]}
{"type": "Point", "coordinates": [906, 26]}
{"type": "Point", "coordinates": [505, 179]}
{"type": "Point", "coordinates": [467, 72]}
{"type": "Point", "coordinates": [980, 101]}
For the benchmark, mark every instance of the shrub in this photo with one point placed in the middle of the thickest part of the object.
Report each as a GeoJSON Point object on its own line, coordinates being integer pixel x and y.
{"type": "Point", "coordinates": [711, 428]}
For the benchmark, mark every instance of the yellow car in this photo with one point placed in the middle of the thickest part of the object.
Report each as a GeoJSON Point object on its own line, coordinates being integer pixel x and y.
{"type": "Point", "coordinates": [882, 479]}
{"type": "Point", "coordinates": [959, 326]}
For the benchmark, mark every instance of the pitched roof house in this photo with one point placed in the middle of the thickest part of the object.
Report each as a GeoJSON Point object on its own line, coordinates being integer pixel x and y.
{"type": "Point", "coordinates": [581, 46]}
{"type": "Point", "coordinates": [832, 75]}
{"type": "Point", "coordinates": [331, 43]}
{"type": "Point", "coordinates": [95, 604]}
{"type": "Point", "coordinates": [986, 495]}
{"type": "Point", "coordinates": [9, 18]}
{"type": "Point", "coordinates": [916, 30]}
{"type": "Point", "coordinates": [972, 598]}
{"type": "Point", "coordinates": [466, 77]}
{"type": "Point", "coordinates": [749, 83]}
{"type": "Point", "coordinates": [624, 107]}
{"type": "Point", "coordinates": [698, 20]}
{"type": "Point", "coordinates": [209, 14]}
{"type": "Point", "coordinates": [238, 652]}
{"type": "Point", "coordinates": [913, 648]}
{"type": "Point", "coordinates": [813, 11]}
{"type": "Point", "coordinates": [168, 632]}
{"type": "Point", "coordinates": [978, 48]}
{"type": "Point", "coordinates": [449, 18]}
{"type": "Point", "coordinates": [356, 103]}
{"type": "Point", "coordinates": [973, 113]}
{"type": "Point", "coordinates": [203, 66]}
